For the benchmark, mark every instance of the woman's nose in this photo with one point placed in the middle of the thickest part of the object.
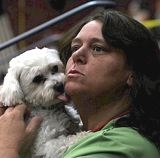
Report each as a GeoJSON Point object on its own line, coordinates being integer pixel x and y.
{"type": "Point", "coordinates": [80, 56]}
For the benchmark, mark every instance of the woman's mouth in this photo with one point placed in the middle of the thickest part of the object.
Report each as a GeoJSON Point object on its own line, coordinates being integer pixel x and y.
{"type": "Point", "coordinates": [74, 72]}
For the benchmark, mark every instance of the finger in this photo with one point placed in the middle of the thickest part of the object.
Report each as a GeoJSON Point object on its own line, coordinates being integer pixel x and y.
{"type": "Point", "coordinates": [1, 104]}
{"type": "Point", "coordinates": [2, 110]}
{"type": "Point", "coordinates": [34, 124]}
{"type": "Point", "coordinates": [20, 110]}
{"type": "Point", "coordinates": [9, 109]}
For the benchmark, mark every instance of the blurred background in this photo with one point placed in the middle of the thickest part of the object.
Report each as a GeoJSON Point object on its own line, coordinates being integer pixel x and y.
{"type": "Point", "coordinates": [19, 16]}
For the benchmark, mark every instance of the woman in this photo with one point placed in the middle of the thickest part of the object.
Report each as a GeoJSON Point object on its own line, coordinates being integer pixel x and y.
{"type": "Point", "coordinates": [112, 76]}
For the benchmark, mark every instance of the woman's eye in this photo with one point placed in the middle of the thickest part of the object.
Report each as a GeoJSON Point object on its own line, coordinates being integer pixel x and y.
{"type": "Point", "coordinates": [74, 48]}
{"type": "Point", "coordinates": [98, 49]}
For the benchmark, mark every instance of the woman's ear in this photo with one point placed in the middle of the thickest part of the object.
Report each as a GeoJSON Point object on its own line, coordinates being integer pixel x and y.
{"type": "Point", "coordinates": [130, 80]}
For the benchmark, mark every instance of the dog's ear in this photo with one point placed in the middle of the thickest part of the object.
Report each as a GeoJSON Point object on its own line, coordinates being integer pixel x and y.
{"type": "Point", "coordinates": [10, 92]}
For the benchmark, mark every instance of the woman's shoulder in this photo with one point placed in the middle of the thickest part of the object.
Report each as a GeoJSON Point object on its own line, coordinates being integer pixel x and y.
{"type": "Point", "coordinates": [126, 135]}
{"type": "Point", "coordinates": [128, 139]}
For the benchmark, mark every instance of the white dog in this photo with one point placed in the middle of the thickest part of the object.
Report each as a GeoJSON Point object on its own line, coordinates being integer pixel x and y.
{"type": "Point", "coordinates": [36, 78]}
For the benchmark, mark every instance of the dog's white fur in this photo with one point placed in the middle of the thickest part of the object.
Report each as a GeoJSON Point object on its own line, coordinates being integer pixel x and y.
{"type": "Point", "coordinates": [31, 79]}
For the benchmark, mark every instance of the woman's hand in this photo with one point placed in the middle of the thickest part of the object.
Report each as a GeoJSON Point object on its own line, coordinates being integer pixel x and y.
{"type": "Point", "coordinates": [15, 132]}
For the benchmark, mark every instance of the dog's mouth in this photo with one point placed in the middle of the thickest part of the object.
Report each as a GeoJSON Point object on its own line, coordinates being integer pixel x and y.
{"type": "Point", "coordinates": [63, 97]}
{"type": "Point", "coordinates": [60, 94]}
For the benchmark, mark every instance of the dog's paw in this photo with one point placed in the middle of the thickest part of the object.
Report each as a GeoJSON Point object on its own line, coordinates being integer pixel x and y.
{"type": "Point", "coordinates": [10, 97]}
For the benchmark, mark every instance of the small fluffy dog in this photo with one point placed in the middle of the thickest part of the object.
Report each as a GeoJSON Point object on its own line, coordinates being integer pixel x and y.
{"type": "Point", "coordinates": [36, 78]}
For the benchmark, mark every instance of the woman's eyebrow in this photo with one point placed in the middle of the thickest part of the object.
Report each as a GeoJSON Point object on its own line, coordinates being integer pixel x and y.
{"type": "Point", "coordinates": [98, 40]}
{"type": "Point", "coordinates": [75, 40]}
{"type": "Point", "coordinates": [94, 39]}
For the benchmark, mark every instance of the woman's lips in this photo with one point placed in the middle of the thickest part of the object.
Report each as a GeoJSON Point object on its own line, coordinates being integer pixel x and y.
{"type": "Point", "coordinates": [74, 73]}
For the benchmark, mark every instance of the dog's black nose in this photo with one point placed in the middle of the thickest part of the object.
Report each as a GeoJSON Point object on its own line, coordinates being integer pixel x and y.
{"type": "Point", "coordinates": [59, 87]}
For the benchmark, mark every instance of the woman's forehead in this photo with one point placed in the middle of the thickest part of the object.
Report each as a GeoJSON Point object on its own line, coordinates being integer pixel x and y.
{"type": "Point", "coordinates": [92, 28]}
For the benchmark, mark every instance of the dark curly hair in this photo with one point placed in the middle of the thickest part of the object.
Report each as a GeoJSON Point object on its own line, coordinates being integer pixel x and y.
{"type": "Point", "coordinates": [141, 48]}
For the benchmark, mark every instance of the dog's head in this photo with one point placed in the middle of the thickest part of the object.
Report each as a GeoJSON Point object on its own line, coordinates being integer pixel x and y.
{"type": "Point", "coordinates": [35, 77]}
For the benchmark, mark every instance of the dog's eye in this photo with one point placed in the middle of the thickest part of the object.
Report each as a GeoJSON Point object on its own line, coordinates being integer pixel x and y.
{"type": "Point", "coordinates": [38, 79]}
{"type": "Point", "coordinates": [54, 69]}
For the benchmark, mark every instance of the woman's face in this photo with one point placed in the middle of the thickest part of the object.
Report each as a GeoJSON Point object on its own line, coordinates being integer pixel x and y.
{"type": "Point", "coordinates": [94, 69]}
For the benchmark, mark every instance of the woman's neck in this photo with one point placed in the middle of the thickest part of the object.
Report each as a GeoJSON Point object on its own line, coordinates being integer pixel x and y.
{"type": "Point", "coordinates": [98, 112]}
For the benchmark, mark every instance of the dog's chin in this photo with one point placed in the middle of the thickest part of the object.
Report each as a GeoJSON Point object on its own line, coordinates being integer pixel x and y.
{"type": "Point", "coordinates": [56, 102]}
{"type": "Point", "coordinates": [48, 105]}
{"type": "Point", "coordinates": [58, 99]}
{"type": "Point", "coordinates": [52, 106]}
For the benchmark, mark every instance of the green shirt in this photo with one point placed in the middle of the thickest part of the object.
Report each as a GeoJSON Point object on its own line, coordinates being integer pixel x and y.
{"type": "Point", "coordinates": [113, 142]}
